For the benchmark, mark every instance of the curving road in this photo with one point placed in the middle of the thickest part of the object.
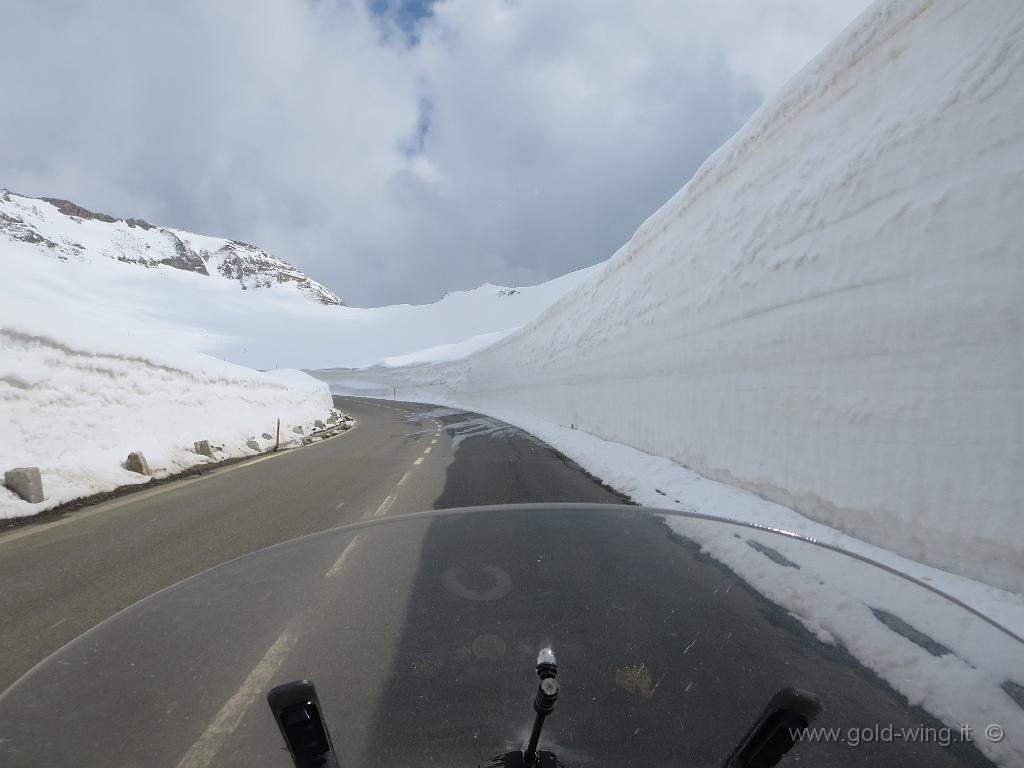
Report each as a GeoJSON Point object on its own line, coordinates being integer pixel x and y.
{"type": "Point", "coordinates": [442, 615]}
{"type": "Point", "coordinates": [63, 577]}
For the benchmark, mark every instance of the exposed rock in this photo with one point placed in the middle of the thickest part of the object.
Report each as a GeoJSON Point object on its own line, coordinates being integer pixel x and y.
{"type": "Point", "coordinates": [71, 209]}
{"type": "Point", "coordinates": [203, 448]}
{"type": "Point", "coordinates": [318, 424]}
{"type": "Point", "coordinates": [184, 257]}
{"type": "Point", "coordinates": [136, 462]}
{"type": "Point", "coordinates": [25, 219]}
{"type": "Point", "coordinates": [26, 482]}
{"type": "Point", "coordinates": [255, 268]}
{"type": "Point", "coordinates": [252, 444]}
{"type": "Point", "coordinates": [267, 436]}
{"type": "Point", "coordinates": [19, 230]}
{"type": "Point", "coordinates": [332, 419]}
{"type": "Point", "coordinates": [298, 430]}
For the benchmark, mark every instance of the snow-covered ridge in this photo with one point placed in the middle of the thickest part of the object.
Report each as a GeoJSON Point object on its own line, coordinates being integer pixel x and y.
{"type": "Point", "coordinates": [63, 229]}
{"type": "Point", "coordinates": [829, 313]}
{"type": "Point", "coordinates": [199, 306]}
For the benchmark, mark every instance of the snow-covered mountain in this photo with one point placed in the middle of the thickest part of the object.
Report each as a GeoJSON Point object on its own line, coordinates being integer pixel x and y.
{"type": "Point", "coordinates": [67, 231]}
{"type": "Point", "coordinates": [181, 290]}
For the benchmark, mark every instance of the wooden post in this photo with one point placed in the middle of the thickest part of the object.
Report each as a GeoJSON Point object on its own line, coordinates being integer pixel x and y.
{"type": "Point", "coordinates": [277, 443]}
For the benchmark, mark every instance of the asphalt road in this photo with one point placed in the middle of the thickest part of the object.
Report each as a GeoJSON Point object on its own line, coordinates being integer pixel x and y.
{"type": "Point", "coordinates": [63, 577]}
{"type": "Point", "coordinates": [420, 631]}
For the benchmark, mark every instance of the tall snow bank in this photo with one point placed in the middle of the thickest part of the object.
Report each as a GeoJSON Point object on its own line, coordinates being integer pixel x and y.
{"type": "Point", "coordinates": [77, 396]}
{"type": "Point", "coordinates": [829, 313]}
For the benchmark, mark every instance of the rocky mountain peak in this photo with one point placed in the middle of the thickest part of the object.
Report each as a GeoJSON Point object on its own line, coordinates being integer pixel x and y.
{"type": "Point", "coordinates": [67, 230]}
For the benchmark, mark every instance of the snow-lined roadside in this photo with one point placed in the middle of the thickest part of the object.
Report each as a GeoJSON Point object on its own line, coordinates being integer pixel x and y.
{"type": "Point", "coordinates": [839, 602]}
{"type": "Point", "coordinates": [75, 406]}
{"type": "Point", "coordinates": [655, 481]}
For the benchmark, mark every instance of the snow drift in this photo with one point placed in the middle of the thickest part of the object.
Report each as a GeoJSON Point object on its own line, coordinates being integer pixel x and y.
{"type": "Point", "coordinates": [75, 400]}
{"type": "Point", "coordinates": [829, 313]}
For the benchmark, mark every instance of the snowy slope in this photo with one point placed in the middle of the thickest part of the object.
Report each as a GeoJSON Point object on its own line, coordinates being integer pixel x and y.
{"type": "Point", "coordinates": [459, 323]}
{"type": "Point", "coordinates": [75, 405]}
{"type": "Point", "coordinates": [76, 409]}
{"type": "Point", "coordinates": [84, 382]}
{"type": "Point", "coordinates": [829, 313]}
{"type": "Point", "coordinates": [89, 372]}
{"type": "Point", "coordinates": [62, 230]}
{"type": "Point", "coordinates": [56, 251]}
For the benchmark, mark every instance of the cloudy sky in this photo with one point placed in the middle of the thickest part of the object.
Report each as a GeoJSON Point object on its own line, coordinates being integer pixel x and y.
{"type": "Point", "coordinates": [393, 149]}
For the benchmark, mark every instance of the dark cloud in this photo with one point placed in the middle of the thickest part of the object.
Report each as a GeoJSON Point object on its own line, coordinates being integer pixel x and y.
{"type": "Point", "coordinates": [483, 141]}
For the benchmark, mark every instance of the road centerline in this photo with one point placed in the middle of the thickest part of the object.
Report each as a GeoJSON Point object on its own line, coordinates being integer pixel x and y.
{"type": "Point", "coordinates": [204, 751]}
{"type": "Point", "coordinates": [384, 506]}
{"type": "Point", "coordinates": [335, 569]}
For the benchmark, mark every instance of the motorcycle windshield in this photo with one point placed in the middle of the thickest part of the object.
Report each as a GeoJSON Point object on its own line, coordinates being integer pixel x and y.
{"type": "Point", "coordinates": [672, 633]}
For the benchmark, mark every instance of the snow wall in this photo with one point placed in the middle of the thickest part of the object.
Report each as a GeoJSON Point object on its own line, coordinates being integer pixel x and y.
{"type": "Point", "coordinates": [75, 406]}
{"type": "Point", "coordinates": [830, 312]}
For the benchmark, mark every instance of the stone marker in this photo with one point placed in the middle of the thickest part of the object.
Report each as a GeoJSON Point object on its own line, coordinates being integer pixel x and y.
{"type": "Point", "coordinates": [26, 482]}
{"type": "Point", "coordinates": [251, 443]}
{"type": "Point", "coordinates": [136, 462]}
{"type": "Point", "coordinates": [203, 448]}
{"type": "Point", "coordinates": [298, 430]}
{"type": "Point", "coordinates": [318, 424]}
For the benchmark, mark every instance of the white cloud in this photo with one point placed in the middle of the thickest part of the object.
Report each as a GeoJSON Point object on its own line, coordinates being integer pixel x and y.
{"type": "Point", "coordinates": [553, 129]}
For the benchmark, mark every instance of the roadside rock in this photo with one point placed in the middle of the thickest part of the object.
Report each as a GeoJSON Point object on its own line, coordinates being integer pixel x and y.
{"type": "Point", "coordinates": [203, 448]}
{"type": "Point", "coordinates": [136, 462]}
{"type": "Point", "coordinates": [26, 482]}
{"type": "Point", "coordinates": [252, 444]}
